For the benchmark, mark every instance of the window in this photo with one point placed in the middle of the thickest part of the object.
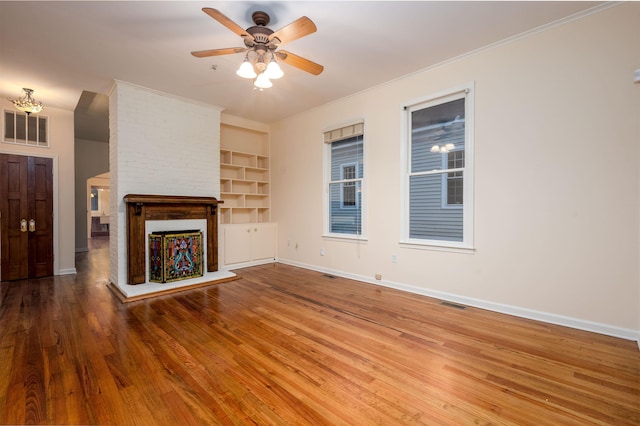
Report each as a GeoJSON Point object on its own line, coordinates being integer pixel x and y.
{"type": "Point", "coordinates": [94, 199]}
{"type": "Point", "coordinates": [439, 171]}
{"type": "Point", "coordinates": [20, 128]}
{"type": "Point", "coordinates": [345, 174]}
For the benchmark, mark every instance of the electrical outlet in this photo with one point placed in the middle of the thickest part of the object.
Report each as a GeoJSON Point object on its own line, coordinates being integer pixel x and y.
{"type": "Point", "coordinates": [394, 258]}
{"type": "Point", "coordinates": [321, 252]}
{"type": "Point", "coordinates": [296, 245]}
{"type": "Point", "coordinates": [378, 276]}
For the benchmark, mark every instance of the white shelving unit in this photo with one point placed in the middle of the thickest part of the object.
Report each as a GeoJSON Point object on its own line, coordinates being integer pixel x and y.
{"type": "Point", "coordinates": [247, 235]}
{"type": "Point", "coordinates": [244, 176]}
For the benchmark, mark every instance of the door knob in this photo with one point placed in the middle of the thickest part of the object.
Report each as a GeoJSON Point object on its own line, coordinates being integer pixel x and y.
{"type": "Point", "coordinates": [32, 225]}
{"type": "Point", "coordinates": [23, 225]}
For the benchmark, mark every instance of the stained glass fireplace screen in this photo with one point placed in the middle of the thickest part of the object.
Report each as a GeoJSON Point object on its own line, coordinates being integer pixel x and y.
{"type": "Point", "coordinates": [175, 255]}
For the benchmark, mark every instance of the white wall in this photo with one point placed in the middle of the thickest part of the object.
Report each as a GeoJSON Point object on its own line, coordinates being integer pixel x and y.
{"type": "Point", "coordinates": [159, 144]}
{"type": "Point", "coordinates": [234, 120]}
{"type": "Point", "coordinates": [556, 179]}
{"type": "Point", "coordinates": [61, 141]}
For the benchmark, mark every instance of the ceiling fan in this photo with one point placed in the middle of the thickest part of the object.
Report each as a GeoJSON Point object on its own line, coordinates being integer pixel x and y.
{"type": "Point", "coordinates": [261, 44]}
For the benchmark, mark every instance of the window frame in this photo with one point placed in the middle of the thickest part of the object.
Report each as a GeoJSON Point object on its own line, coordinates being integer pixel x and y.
{"type": "Point", "coordinates": [466, 92]}
{"type": "Point", "coordinates": [361, 202]}
{"type": "Point", "coordinates": [26, 141]}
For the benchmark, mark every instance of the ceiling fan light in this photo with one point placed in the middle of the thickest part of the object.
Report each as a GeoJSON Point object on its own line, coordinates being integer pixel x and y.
{"type": "Point", "coordinates": [246, 70]}
{"type": "Point", "coordinates": [273, 70]}
{"type": "Point", "coordinates": [262, 82]}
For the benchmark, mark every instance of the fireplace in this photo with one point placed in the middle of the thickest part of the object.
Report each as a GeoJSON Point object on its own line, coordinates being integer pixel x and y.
{"type": "Point", "coordinates": [143, 208]}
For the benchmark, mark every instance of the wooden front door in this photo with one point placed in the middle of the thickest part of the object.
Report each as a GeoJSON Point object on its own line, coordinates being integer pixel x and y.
{"type": "Point", "coordinates": [26, 217]}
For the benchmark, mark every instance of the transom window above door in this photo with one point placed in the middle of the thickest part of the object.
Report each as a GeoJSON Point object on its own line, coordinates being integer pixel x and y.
{"type": "Point", "coordinates": [22, 129]}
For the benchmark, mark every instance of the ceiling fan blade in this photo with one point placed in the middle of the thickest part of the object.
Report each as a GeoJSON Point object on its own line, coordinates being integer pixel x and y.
{"type": "Point", "coordinates": [217, 52]}
{"type": "Point", "coordinates": [299, 62]}
{"type": "Point", "coordinates": [297, 29]}
{"type": "Point", "coordinates": [218, 16]}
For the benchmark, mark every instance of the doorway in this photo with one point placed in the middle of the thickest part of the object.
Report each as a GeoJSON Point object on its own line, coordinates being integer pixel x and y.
{"type": "Point", "coordinates": [26, 217]}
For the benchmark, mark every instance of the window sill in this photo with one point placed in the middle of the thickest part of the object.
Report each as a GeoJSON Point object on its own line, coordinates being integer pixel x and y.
{"type": "Point", "coordinates": [437, 247]}
{"type": "Point", "coordinates": [345, 238]}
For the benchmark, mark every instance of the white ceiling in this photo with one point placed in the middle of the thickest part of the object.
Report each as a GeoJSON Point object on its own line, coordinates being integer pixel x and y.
{"type": "Point", "coordinates": [61, 49]}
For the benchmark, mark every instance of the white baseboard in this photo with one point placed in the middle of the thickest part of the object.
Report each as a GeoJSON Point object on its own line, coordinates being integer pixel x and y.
{"type": "Point", "coordinates": [68, 271]}
{"type": "Point", "coordinates": [576, 323]}
{"type": "Point", "coordinates": [234, 266]}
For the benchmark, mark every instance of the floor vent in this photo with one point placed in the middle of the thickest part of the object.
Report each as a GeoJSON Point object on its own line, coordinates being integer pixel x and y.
{"type": "Point", "coordinates": [453, 305]}
{"type": "Point", "coordinates": [329, 276]}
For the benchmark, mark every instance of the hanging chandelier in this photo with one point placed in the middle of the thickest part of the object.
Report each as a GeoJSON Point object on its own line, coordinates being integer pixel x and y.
{"type": "Point", "coordinates": [26, 103]}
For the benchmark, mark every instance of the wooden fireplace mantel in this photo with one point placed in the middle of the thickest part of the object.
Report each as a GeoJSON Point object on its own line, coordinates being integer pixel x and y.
{"type": "Point", "coordinates": [141, 208]}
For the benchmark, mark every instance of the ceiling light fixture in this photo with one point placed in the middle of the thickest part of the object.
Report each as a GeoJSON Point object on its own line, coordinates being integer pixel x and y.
{"type": "Point", "coordinates": [443, 149]}
{"type": "Point", "coordinates": [246, 69]}
{"type": "Point", "coordinates": [258, 69]}
{"type": "Point", "coordinates": [273, 69]}
{"type": "Point", "coordinates": [262, 81]}
{"type": "Point", "coordinates": [27, 103]}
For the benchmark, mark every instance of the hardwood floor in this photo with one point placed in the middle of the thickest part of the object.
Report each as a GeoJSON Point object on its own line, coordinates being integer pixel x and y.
{"type": "Point", "coordinates": [283, 345]}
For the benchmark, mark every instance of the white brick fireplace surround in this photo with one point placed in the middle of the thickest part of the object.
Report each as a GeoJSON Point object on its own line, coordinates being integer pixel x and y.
{"type": "Point", "coordinates": [162, 145]}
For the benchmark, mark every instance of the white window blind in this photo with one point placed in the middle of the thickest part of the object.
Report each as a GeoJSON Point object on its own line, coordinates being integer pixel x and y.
{"type": "Point", "coordinates": [344, 132]}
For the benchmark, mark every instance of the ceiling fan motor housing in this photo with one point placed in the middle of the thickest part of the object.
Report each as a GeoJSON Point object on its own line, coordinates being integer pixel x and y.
{"type": "Point", "coordinates": [260, 18]}
{"type": "Point", "coordinates": [260, 33]}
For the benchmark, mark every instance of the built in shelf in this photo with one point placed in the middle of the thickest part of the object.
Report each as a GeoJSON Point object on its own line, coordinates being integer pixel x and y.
{"type": "Point", "coordinates": [244, 176]}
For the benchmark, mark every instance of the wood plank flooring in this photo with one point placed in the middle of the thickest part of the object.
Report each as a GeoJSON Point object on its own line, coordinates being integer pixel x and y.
{"type": "Point", "coordinates": [284, 345]}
